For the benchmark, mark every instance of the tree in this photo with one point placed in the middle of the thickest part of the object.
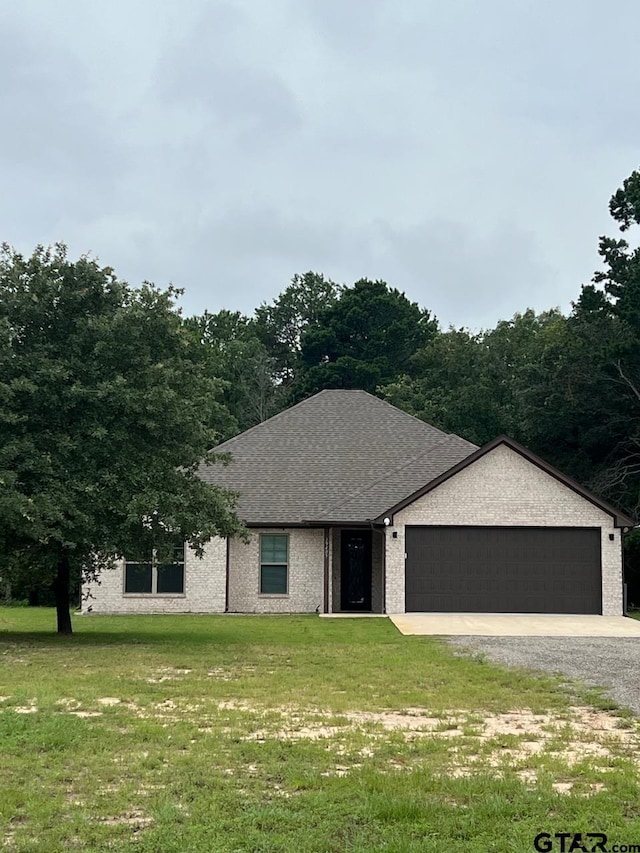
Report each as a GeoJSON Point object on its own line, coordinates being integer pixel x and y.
{"type": "Point", "coordinates": [617, 306]}
{"type": "Point", "coordinates": [280, 326]}
{"type": "Point", "coordinates": [237, 357]}
{"type": "Point", "coordinates": [566, 410]}
{"type": "Point", "coordinates": [453, 388]}
{"type": "Point", "coordinates": [469, 383]}
{"type": "Point", "coordinates": [367, 338]}
{"type": "Point", "coordinates": [583, 409]}
{"type": "Point", "coordinates": [106, 411]}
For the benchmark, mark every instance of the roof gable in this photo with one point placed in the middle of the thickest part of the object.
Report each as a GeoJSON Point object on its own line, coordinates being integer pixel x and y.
{"type": "Point", "coordinates": [620, 518]}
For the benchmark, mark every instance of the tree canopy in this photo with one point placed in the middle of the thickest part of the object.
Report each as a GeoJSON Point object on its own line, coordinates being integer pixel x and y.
{"type": "Point", "coordinates": [281, 324]}
{"type": "Point", "coordinates": [106, 410]}
{"type": "Point", "coordinates": [363, 340]}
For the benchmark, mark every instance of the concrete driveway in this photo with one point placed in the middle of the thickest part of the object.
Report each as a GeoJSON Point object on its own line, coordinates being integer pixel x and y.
{"type": "Point", "coordinates": [515, 625]}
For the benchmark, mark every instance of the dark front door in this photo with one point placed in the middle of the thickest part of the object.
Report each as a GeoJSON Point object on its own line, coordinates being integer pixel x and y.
{"type": "Point", "coordinates": [503, 569]}
{"type": "Point", "coordinates": [355, 570]}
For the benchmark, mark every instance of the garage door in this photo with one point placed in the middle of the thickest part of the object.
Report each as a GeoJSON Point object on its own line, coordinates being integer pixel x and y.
{"type": "Point", "coordinates": [503, 570]}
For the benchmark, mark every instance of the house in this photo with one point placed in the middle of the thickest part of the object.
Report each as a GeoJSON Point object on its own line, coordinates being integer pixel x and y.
{"type": "Point", "coordinates": [353, 505]}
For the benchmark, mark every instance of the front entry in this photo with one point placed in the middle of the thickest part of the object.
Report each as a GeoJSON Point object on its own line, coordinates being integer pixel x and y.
{"type": "Point", "coordinates": [355, 570]}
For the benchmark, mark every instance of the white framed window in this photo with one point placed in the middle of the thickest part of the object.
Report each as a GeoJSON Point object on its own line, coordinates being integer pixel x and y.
{"type": "Point", "coordinates": [274, 564]}
{"type": "Point", "coordinates": [156, 576]}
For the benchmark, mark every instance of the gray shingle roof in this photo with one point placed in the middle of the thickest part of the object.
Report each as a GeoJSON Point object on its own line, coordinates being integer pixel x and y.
{"type": "Point", "coordinates": [337, 456]}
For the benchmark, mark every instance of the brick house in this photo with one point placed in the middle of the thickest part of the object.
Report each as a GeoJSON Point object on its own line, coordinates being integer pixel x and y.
{"type": "Point", "coordinates": [353, 505]}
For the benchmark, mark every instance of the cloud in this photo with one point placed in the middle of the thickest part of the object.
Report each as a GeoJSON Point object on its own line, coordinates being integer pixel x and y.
{"type": "Point", "coordinates": [212, 72]}
{"type": "Point", "coordinates": [464, 152]}
{"type": "Point", "coordinates": [52, 128]}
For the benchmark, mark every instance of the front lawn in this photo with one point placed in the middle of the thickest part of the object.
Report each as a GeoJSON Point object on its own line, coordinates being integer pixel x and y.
{"type": "Point", "coordinates": [241, 733]}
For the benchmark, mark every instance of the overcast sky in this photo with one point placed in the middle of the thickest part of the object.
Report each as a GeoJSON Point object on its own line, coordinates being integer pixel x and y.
{"type": "Point", "coordinates": [463, 151]}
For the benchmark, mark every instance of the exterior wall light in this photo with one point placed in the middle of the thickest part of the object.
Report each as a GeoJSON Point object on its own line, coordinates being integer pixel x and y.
{"type": "Point", "coordinates": [387, 521]}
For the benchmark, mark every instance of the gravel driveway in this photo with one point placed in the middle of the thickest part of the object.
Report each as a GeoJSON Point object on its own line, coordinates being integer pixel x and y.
{"type": "Point", "coordinates": [609, 662]}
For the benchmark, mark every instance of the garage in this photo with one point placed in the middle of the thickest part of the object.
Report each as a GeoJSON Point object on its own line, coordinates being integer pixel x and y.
{"type": "Point", "coordinates": [465, 569]}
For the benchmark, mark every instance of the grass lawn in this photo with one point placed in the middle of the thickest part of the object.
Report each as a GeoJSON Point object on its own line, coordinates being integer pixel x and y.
{"type": "Point", "coordinates": [232, 733]}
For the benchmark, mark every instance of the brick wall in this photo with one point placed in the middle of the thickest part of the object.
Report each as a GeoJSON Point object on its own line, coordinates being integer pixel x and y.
{"type": "Point", "coordinates": [503, 488]}
{"type": "Point", "coordinates": [205, 581]}
{"type": "Point", "coordinates": [306, 573]}
{"type": "Point", "coordinates": [377, 580]}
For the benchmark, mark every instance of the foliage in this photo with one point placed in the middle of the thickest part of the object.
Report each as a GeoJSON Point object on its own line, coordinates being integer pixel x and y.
{"type": "Point", "coordinates": [280, 326]}
{"type": "Point", "coordinates": [472, 384]}
{"type": "Point", "coordinates": [106, 412]}
{"type": "Point", "coordinates": [581, 393]}
{"type": "Point", "coordinates": [237, 358]}
{"type": "Point", "coordinates": [365, 339]}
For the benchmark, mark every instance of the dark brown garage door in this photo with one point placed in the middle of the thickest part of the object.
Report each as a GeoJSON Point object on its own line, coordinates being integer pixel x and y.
{"type": "Point", "coordinates": [503, 570]}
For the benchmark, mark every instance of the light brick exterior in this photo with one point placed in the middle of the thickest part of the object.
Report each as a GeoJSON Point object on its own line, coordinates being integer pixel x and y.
{"type": "Point", "coordinates": [204, 580]}
{"type": "Point", "coordinates": [502, 488]}
{"type": "Point", "coordinates": [306, 573]}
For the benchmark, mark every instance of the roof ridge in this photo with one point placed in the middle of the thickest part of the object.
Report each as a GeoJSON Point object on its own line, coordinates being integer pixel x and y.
{"type": "Point", "coordinates": [393, 471]}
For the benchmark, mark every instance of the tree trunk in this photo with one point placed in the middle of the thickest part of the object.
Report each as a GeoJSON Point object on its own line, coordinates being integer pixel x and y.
{"type": "Point", "coordinates": [61, 592]}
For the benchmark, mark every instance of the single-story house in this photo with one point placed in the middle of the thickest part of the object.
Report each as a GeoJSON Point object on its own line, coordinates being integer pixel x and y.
{"type": "Point", "coordinates": [355, 506]}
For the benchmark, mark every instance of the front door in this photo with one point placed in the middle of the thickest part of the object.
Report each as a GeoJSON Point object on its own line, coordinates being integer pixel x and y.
{"type": "Point", "coordinates": [355, 571]}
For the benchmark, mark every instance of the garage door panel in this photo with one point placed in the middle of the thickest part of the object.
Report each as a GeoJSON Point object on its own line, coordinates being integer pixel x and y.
{"type": "Point", "coordinates": [503, 569]}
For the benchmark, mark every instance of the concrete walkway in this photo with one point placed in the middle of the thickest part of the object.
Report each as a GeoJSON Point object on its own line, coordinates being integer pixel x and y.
{"type": "Point", "coordinates": [515, 625]}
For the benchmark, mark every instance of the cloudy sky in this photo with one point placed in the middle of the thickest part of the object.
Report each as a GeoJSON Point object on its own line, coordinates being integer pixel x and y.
{"type": "Point", "coordinates": [464, 152]}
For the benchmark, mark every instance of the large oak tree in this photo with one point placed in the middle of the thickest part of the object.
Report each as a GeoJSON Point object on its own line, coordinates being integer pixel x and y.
{"type": "Point", "coordinates": [106, 410]}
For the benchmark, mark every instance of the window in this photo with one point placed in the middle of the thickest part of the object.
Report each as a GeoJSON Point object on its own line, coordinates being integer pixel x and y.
{"type": "Point", "coordinates": [274, 564]}
{"type": "Point", "coordinates": [162, 574]}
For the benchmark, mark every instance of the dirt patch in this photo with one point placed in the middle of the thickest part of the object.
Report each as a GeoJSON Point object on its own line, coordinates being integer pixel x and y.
{"type": "Point", "coordinates": [412, 720]}
{"type": "Point", "coordinates": [516, 741]}
{"type": "Point", "coordinates": [235, 705]}
{"type": "Point", "coordinates": [534, 729]}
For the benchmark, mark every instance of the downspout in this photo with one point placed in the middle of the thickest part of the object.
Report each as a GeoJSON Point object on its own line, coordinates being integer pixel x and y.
{"type": "Point", "coordinates": [624, 532]}
{"type": "Point", "coordinates": [326, 569]}
{"type": "Point", "coordinates": [226, 581]}
{"type": "Point", "coordinates": [384, 569]}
